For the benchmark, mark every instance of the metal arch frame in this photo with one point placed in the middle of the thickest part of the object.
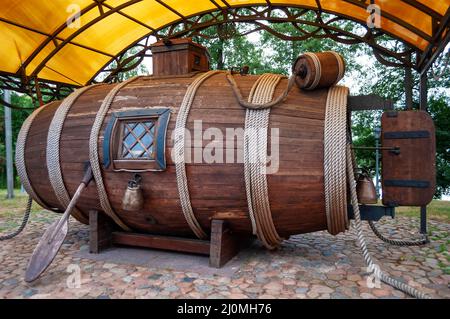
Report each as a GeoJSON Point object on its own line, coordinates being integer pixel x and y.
{"type": "Point", "coordinates": [194, 25]}
{"type": "Point", "coordinates": [22, 83]}
{"type": "Point", "coordinates": [38, 90]}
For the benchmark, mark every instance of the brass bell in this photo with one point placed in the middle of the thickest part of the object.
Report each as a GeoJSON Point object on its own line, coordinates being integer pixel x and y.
{"type": "Point", "coordinates": [366, 189]}
{"type": "Point", "coordinates": [133, 200]}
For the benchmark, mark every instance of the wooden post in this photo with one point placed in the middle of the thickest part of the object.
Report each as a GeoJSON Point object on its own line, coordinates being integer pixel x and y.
{"type": "Point", "coordinates": [423, 91]}
{"type": "Point", "coordinates": [423, 106]}
{"type": "Point", "coordinates": [8, 144]}
{"type": "Point", "coordinates": [100, 230]}
{"type": "Point", "coordinates": [222, 248]}
{"type": "Point", "coordinates": [408, 87]}
{"type": "Point", "coordinates": [224, 245]}
{"type": "Point", "coordinates": [423, 220]}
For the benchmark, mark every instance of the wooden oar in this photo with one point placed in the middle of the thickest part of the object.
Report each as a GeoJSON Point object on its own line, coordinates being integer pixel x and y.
{"type": "Point", "coordinates": [54, 236]}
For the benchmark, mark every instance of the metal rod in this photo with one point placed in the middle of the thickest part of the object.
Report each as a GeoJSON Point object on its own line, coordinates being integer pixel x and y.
{"type": "Point", "coordinates": [423, 220]}
{"type": "Point", "coordinates": [8, 142]}
{"type": "Point", "coordinates": [423, 91]}
{"type": "Point", "coordinates": [379, 148]}
{"type": "Point", "coordinates": [377, 168]}
{"type": "Point", "coordinates": [408, 87]}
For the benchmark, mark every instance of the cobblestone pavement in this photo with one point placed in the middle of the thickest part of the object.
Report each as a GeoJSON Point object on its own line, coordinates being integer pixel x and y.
{"type": "Point", "coordinates": [315, 265]}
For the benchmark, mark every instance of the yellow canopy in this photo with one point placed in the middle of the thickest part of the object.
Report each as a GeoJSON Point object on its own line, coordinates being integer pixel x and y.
{"type": "Point", "coordinates": [44, 38]}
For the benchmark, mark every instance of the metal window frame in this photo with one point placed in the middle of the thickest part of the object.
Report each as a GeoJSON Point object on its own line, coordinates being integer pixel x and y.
{"type": "Point", "coordinates": [113, 128]}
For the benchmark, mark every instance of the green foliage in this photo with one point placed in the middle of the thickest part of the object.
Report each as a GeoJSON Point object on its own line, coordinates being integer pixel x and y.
{"type": "Point", "coordinates": [18, 116]}
{"type": "Point", "coordinates": [363, 125]}
{"type": "Point", "coordinates": [223, 51]}
{"type": "Point", "coordinates": [439, 108]}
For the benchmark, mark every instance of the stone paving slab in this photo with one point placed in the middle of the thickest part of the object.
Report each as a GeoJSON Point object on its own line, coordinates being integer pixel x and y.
{"type": "Point", "coordinates": [315, 265]}
{"type": "Point", "coordinates": [160, 260]}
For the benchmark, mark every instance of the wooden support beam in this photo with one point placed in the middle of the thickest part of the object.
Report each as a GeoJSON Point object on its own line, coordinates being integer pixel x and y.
{"type": "Point", "coordinates": [186, 245]}
{"type": "Point", "coordinates": [222, 247]}
{"type": "Point", "coordinates": [408, 87]}
{"type": "Point", "coordinates": [224, 244]}
{"type": "Point", "coordinates": [423, 92]}
{"type": "Point", "coordinates": [369, 102]}
{"type": "Point", "coordinates": [100, 227]}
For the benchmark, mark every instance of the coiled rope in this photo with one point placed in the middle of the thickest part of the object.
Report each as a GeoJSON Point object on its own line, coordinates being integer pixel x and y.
{"type": "Point", "coordinates": [335, 141]}
{"type": "Point", "coordinates": [254, 106]}
{"type": "Point", "coordinates": [20, 156]}
{"type": "Point", "coordinates": [418, 242]}
{"type": "Point", "coordinates": [25, 219]}
{"type": "Point", "coordinates": [179, 144]}
{"type": "Point", "coordinates": [255, 160]}
{"type": "Point", "coordinates": [337, 98]}
{"type": "Point", "coordinates": [94, 157]}
{"type": "Point", "coordinates": [53, 151]}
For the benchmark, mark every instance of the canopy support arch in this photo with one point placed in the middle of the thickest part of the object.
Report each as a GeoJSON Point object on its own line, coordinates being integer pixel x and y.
{"type": "Point", "coordinates": [409, 28]}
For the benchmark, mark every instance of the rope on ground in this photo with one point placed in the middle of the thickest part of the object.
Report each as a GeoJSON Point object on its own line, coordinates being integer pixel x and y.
{"type": "Point", "coordinates": [53, 151]}
{"type": "Point", "coordinates": [336, 131]}
{"type": "Point", "coordinates": [180, 165]}
{"type": "Point", "coordinates": [94, 157]}
{"type": "Point", "coordinates": [418, 242]}
{"type": "Point", "coordinates": [362, 241]}
{"type": "Point", "coordinates": [20, 156]}
{"type": "Point", "coordinates": [26, 217]}
{"type": "Point", "coordinates": [255, 160]}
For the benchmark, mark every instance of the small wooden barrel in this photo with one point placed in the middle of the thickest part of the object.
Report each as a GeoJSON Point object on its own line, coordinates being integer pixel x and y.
{"type": "Point", "coordinates": [318, 70]}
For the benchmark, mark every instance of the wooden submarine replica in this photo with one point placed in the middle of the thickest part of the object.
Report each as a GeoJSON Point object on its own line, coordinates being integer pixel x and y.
{"type": "Point", "coordinates": [142, 195]}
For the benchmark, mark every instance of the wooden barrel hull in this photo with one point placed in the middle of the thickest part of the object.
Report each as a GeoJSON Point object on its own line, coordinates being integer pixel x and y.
{"type": "Point", "coordinates": [296, 190]}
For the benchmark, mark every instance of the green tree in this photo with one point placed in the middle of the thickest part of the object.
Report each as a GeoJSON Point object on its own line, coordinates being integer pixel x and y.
{"type": "Point", "coordinates": [18, 116]}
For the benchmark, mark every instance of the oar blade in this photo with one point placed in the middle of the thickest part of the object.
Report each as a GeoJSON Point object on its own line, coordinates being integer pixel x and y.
{"type": "Point", "coordinates": [46, 250]}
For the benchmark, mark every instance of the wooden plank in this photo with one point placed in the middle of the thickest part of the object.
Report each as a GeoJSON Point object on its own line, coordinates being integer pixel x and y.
{"type": "Point", "coordinates": [162, 242]}
{"type": "Point", "coordinates": [224, 244]}
{"type": "Point", "coordinates": [369, 102]}
{"type": "Point", "coordinates": [100, 228]}
{"type": "Point", "coordinates": [403, 174]}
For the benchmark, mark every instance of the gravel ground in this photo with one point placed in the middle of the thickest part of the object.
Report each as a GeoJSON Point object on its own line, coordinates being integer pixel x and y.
{"type": "Point", "coordinates": [315, 265]}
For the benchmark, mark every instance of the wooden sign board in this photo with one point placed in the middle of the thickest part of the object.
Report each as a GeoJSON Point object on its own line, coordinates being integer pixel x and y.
{"type": "Point", "coordinates": [408, 176]}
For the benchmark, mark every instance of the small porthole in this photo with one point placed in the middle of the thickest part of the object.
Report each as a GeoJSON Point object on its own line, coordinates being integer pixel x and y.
{"type": "Point", "coordinates": [135, 140]}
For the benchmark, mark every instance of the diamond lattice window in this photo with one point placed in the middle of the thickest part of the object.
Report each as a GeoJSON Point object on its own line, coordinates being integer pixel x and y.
{"type": "Point", "coordinates": [135, 140]}
{"type": "Point", "coordinates": [138, 140]}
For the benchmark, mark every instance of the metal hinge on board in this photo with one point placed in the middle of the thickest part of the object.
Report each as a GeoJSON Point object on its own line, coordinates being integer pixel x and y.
{"type": "Point", "coordinates": [406, 183]}
{"type": "Point", "coordinates": [406, 135]}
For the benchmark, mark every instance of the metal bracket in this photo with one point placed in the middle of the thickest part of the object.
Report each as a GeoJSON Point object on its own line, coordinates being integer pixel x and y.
{"type": "Point", "coordinates": [406, 135]}
{"type": "Point", "coordinates": [406, 183]}
{"type": "Point", "coordinates": [369, 102]}
{"type": "Point", "coordinates": [394, 150]}
{"type": "Point", "coordinates": [372, 212]}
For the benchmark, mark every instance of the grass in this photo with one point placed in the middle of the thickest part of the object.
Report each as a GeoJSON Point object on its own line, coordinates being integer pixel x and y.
{"type": "Point", "coordinates": [438, 210]}
{"type": "Point", "coordinates": [11, 210]}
